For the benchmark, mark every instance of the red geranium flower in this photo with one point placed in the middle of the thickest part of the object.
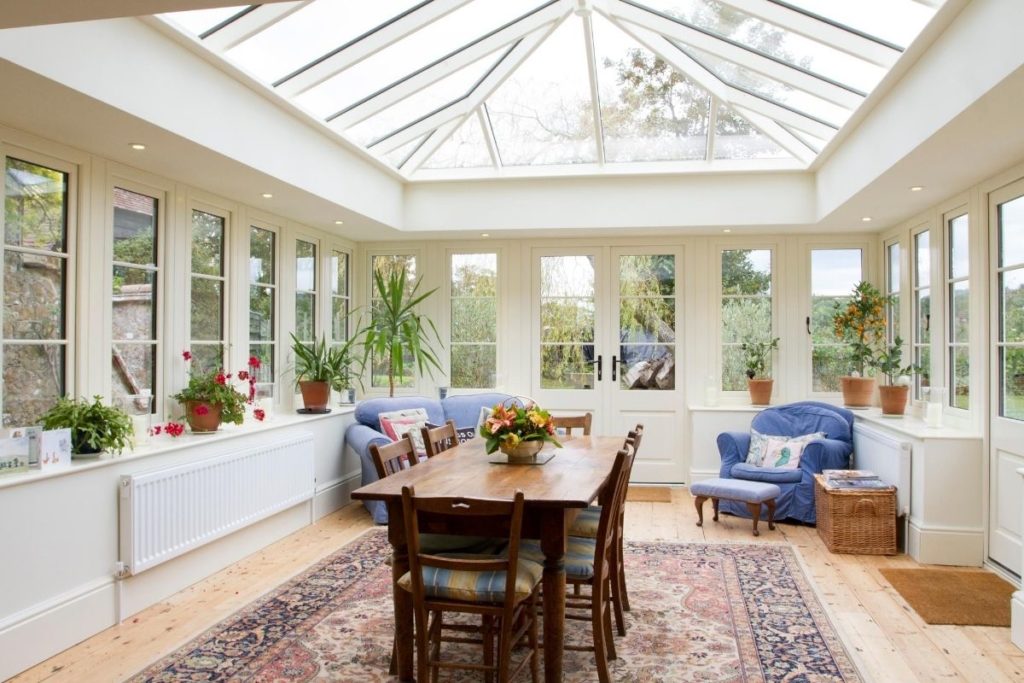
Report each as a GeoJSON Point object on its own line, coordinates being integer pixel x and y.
{"type": "Point", "coordinates": [221, 378]}
{"type": "Point", "coordinates": [254, 362]}
{"type": "Point", "coordinates": [259, 414]}
{"type": "Point", "coordinates": [155, 431]}
{"type": "Point", "coordinates": [243, 375]}
{"type": "Point", "coordinates": [187, 355]}
{"type": "Point", "coordinates": [201, 409]}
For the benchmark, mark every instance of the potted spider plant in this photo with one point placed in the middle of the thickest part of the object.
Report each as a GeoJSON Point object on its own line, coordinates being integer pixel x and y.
{"type": "Point", "coordinates": [756, 359]}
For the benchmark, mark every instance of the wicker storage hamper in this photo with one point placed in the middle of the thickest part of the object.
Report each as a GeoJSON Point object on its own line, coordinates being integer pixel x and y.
{"type": "Point", "coordinates": [861, 522]}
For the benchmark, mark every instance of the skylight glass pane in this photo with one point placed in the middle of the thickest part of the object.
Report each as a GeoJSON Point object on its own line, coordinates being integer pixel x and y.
{"type": "Point", "coordinates": [466, 148]}
{"type": "Point", "coordinates": [762, 36]}
{"type": "Point", "coordinates": [736, 138]}
{"type": "Point", "coordinates": [812, 141]}
{"type": "Point", "coordinates": [199, 21]}
{"type": "Point", "coordinates": [649, 111]}
{"type": "Point", "coordinates": [896, 21]}
{"type": "Point", "coordinates": [397, 157]}
{"type": "Point", "coordinates": [311, 32]}
{"type": "Point", "coordinates": [421, 103]}
{"type": "Point", "coordinates": [416, 50]}
{"type": "Point", "coordinates": [543, 113]}
{"type": "Point", "coordinates": [769, 88]}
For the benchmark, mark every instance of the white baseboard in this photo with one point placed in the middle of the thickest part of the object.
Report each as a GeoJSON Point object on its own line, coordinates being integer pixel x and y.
{"type": "Point", "coordinates": [949, 546]}
{"type": "Point", "coordinates": [334, 494]}
{"type": "Point", "coordinates": [1017, 619]}
{"type": "Point", "coordinates": [32, 635]}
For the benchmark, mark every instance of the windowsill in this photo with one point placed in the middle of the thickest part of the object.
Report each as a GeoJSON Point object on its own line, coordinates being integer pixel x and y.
{"type": "Point", "coordinates": [161, 445]}
{"type": "Point", "coordinates": [729, 408]}
{"type": "Point", "coordinates": [912, 426]}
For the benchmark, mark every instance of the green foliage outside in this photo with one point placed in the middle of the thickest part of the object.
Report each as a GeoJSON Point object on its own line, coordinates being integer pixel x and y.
{"type": "Point", "coordinates": [474, 321]}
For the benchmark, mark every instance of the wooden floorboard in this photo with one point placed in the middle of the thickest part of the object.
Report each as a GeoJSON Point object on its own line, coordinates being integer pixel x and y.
{"type": "Point", "coordinates": [885, 636]}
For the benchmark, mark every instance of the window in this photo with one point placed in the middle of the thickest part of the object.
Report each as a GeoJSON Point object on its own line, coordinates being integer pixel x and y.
{"type": "Point", "coordinates": [35, 290]}
{"type": "Point", "coordinates": [207, 293]}
{"type": "Point", "coordinates": [1010, 274]}
{"type": "Point", "coordinates": [922, 334]}
{"type": "Point", "coordinates": [892, 290]}
{"type": "Point", "coordinates": [305, 291]}
{"type": "Point", "coordinates": [474, 320]}
{"type": "Point", "coordinates": [958, 311]}
{"type": "Point", "coordinates": [263, 300]}
{"type": "Point", "coordinates": [568, 325]}
{"type": "Point", "coordinates": [341, 298]}
{"type": "Point", "coordinates": [134, 296]}
{"type": "Point", "coordinates": [834, 274]}
{"type": "Point", "coordinates": [385, 264]}
{"type": "Point", "coordinates": [746, 310]}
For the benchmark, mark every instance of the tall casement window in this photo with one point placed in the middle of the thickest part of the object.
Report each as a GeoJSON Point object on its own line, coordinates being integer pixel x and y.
{"type": "Point", "coordinates": [35, 289]}
{"type": "Point", "coordinates": [746, 310]}
{"type": "Point", "coordinates": [474, 320]}
{"type": "Point", "coordinates": [263, 300]}
{"type": "Point", "coordinates": [208, 290]}
{"type": "Point", "coordinates": [305, 291]}
{"type": "Point", "coordinates": [385, 264]}
{"type": "Point", "coordinates": [134, 295]}
{"type": "Point", "coordinates": [958, 311]}
{"type": "Point", "coordinates": [1010, 342]}
{"type": "Point", "coordinates": [834, 274]}
{"type": "Point", "coordinates": [892, 290]}
{"type": "Point", "coordinates": [341, 298]}
{"type": "Point", "coordinates": [922, 332]}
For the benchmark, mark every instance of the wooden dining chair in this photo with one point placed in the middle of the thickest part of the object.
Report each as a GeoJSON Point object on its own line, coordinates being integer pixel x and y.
{"type": "Point", "coordinates": [440, 438]}
{"type": "Point", "coordinates": [388, 459]}
{"type": "Point", "coordinates": [502, 589]}
{"type": "Point", "coordinates": [590, 562]}
{"type": "Point", "coordinates": [570, 422]}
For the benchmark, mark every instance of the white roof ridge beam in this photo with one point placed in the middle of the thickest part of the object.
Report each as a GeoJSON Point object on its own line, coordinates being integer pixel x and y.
{"type": "Point", "coordinates": [780, 135]}
{"type": "Point", "coordinates": [370, 43]}
{"type": "Point", "coordinates": [252, 22]}
{"type": "Point", "coordinates": [450, 63]}
{"type": "Point", "coordinates": [723, 91]}
{"type": "Point", "coordinates": [832, 35]}
{"type": "Point", "coordinates": [720, 47]}
{"type": "Point", "coordinates": [433, 141]}
{"type": "Point", "coordinates": [523, 49]}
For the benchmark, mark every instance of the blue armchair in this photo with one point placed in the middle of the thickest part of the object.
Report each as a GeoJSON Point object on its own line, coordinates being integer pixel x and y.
{"type": "Point", "coordinates": [794, 419]}
{"type": "Point", "coordinates": [463, 408]}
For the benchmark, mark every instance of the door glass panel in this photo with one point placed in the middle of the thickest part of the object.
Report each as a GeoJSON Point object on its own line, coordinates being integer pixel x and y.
{"type": "Point", "coordinates": [647, 321]}
{"type": "Point", "coordinates": [1012, 361]}
{"type": "Point", "coordinates": [892, 284]}
{"type": "Point", "coordinates": [567, 322]}
{"type": "Point", "coordinates": [834, 274]}
{"type": "Point", "coordinates": [1011, 233]}
{"type": "Point", "coordinates": [1012, 309]}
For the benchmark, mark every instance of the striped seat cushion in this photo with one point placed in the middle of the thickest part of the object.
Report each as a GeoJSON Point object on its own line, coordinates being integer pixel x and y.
{"type": "Point", "coordinates": [587, 522]}
{"type": "Point", "coordinates": [472, 586]}
{"type": "Point", "coordinates": [579, 556]}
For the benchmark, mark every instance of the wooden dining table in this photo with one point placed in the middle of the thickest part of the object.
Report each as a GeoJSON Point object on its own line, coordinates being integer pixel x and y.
{"type": "Point", "coordinates": [554, 493]}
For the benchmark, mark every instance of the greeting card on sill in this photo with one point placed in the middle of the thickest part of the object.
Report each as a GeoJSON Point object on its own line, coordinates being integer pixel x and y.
{"type": "Point", "coordinates": [55, 449]}
{"type": "Point", "coordinates": [32, 433]}
{"type": "Point", "coordinates": [14, 455]}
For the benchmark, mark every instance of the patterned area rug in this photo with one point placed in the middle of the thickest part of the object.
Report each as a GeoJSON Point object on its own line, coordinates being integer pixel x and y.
{"type": "Point", "coordinates": [701, 612]}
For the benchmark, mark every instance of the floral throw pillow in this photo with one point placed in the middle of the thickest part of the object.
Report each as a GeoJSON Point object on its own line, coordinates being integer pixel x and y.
{"type": "Point", "coordinates": [397, 422]}
{"type": "Point", "coordinates": [758, 444]}
{"type": "Point", "coordinates": [786, 455]}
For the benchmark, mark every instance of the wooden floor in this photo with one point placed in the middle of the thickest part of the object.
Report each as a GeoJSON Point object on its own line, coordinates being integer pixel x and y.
{"type": "Point", "coordinates": [887, 639]}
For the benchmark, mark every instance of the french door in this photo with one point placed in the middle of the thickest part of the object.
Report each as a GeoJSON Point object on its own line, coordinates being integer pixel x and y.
{"type": "Point", "coordinates": [1006, 212]}
{"type": "Point", "coordinates": [604, 340]}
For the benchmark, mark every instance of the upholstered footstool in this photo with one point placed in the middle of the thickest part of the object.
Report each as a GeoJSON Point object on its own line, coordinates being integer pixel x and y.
{"type": "Point", "coordinates": [753, 493]}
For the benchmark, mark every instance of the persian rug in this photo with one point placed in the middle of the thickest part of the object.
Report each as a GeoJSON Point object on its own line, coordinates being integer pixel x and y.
{"type": "Point", "coordinates": [963, 597]}
{"type": "Point", "coordinates": [649, 494]}
{"type": "Point", "coordinates": [701, 612]}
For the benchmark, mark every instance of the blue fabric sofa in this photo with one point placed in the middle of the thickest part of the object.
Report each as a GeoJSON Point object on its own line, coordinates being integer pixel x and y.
{"type": "Point", "coordinates": [463, 408]}
{"type": "Point", "coordinates": [794, 419]}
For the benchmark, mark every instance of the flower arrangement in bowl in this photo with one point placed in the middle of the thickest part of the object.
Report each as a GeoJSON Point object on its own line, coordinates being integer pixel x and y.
{"type": "Point", "coordinates": [518, 432]}
{"type": "Point", "coordinates": [211, 398]}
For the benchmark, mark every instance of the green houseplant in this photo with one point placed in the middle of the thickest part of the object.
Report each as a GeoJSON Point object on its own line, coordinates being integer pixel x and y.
{"type": "Point", "coordinates": [756, 360]}
{"type": "Point", "coordinates": [893, 394]}
{"type": "Point", "coordinates": [210, 399]}
{"type": "Point", "coordinates": [861, 324]}
{"type": "Point", "coordinates": [94, 426]}
{"type": "Point", "coordinates": [397, 332]}
{"type": "Point", "coordinates": [317, 368]}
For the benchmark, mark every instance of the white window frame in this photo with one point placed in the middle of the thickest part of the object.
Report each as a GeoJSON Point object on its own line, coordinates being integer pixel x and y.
{"type": "Point", "coordinates": [278, 328]}
{"type": "Point", "coordinates": [318, 281]}
{"type": "Point", "coordinates": [894, 328]}
{"type": "Point", "coordinates": [915, 289]}
{"type": "Point", "coordinates": [499, 310]}
{"type": "Point", "coordinates": [949, 343]}
{"type": "Point", "coordinates": [227, 324]}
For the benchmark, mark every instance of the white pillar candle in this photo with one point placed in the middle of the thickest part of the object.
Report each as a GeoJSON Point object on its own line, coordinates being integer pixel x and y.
{"type": "Point", "coordinates": [141, 423]}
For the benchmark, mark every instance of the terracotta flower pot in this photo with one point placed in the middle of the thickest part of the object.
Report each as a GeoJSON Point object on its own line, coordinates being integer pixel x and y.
{"type": "Point", "coordinates": [203, 417]}
{"type": "Point", "coordinates": [894, 399]}
{"type": "Point", "coordinates": [760, 391]}
{"type": "Point", "coordinates": [857, 391]}
{"type": "Point", "coordinates": [315, 395]}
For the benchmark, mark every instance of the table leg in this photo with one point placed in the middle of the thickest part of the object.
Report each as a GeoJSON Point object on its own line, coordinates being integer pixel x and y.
{"type": "Point", "coordinates": [553, 543]}
{"type": "Point", "coordinates": [403, 600]}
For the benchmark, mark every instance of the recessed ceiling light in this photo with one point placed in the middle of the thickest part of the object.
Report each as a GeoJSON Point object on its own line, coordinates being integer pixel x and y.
{"type": "Point", "coordinates": [267, 195]}
{"type": "Point", "coordinates": [866, 219]}
{"type": "Point", "coordinates": [727, 230]}
{"type": "Point", "coordinates": [916, 188]}
{"type": "Point", "coordinates": [138, 146]}
{"type": "Point", "coordinates": [485, 234]}
{"type": "Point", "coordinates": [339, 222]}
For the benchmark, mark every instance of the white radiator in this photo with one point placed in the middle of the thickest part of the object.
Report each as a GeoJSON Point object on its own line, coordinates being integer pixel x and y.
{"type": "Point", "coordinates": [167, 512]}
{"type": "Point", "coordinates": [887, 457]}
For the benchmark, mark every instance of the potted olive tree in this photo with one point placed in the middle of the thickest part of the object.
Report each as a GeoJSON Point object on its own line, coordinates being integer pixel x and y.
{"type": "Point", "coordinates": [756, 359]}
{"type": "Point", "coordinates": [893, 394]}
{"type": "Point", "coordinates": [94, 427]}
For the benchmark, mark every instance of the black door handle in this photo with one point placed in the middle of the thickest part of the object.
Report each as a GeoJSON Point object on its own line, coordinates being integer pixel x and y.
{"type": "Point", "coordinates": [808, 324]}
{"type": "Point", "coordinates": [598, 364]}
{"type": "Point", "coordinates": [615, 364]}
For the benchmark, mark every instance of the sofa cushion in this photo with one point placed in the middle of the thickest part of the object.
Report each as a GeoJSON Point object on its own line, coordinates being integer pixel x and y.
{"type": "Point", "coordinates": [803, 418]}
{"type": "Point", "coordinates": [367, 411]}
{"type": "Point", "coordinates": [465, 408]}
{"type": "Point", "coordinates": [397, 423]}
{"type": "Point", "coordinates": [774, 475]}
{"type": "Point", "coordinates": [786, 455]}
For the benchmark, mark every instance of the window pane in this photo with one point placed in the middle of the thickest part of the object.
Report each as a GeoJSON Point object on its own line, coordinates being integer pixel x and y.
{"type": "Point", "coordinates": [1011, 233]}
{"type": "Point", "coordinates": [737, 138]}
{"type": "Point", "coordinates": [134, 227]}
{"type": "Point", "coordinates": [199, 21]}
{"type": "Point", "coordinates": [339, 319]}
{"type": "Point", "coordinates": [474, 320]}
{"type": "Point", "coordinates": [1011, 286]}
{"type": "Point", "coordinates": [959, 264]}
{"type": "Point", "coordinates": [747, 319]}
{"type": "Point", "coordinates": [647, 275]}
{"type": "Point", "coordinates": [960, 363]}
{"type": "Point", "coordinates": [474, 275]}
{"type": "Point", "coordinates": [747, 271]}
{"type": "Point", "coordinates": [1012, 361]}
{"type": "Point", "coordinates": [923, 359]}
{"type": "Point", "coordinates": [647, 367]}
{"type": "Point", "coordinates": [892, 283]}
{"type": "Point", "coordinates": [828, 364]}
{"type": "Point", "coordinates": [922, 259]}
{"type": "Point", "coordinates": [305, 316]}
{"type": "Point", "coordinates": [392, 263]}
{"type": "Point", "coordinates": [207, 243]}
{"type": "Point", "coordinates": [134, 309]}
{"type": "Point", "coordinates": [305, 266]}
{"type": "Point", "coordinates": [207, 357]}
{"type": "Point", "coordinates": [835, 272]}
{"type": "Point", "coordinates": [35, 206]}
{"type": "Point", "coordinates": [647, 320]}
{"type": "Point", "coordinates": [473, 366]}
{"type": "Point", "coordinates": [923, 332]}
{"type": "Point", "coordinates": [261, 313]}
{"type": "Point", "coordinates": [466, 148]}
{"type": "Point", "coordinates": [133, 369]}
{"type": "Point", "coordinates": [339, 273]}
{"type": "Point", "coordinates": [262, 256]}
{"type": "Point", "coordinates": [379, 372]}
{"type": "Point", "coordinates": [33, 296]}
{"type": "Point", "coordinates": [567, 366]}
{"type": "Point", "coordinates": [207, 309]}
{"type": "Point", "coordinates": [566, 320]}
{"type": "Point", "coordinates": [893, 267]}
{"type": "Point", "coordinates": [959, 314]}
{"type": "Point", "coordinates": [898, 21]}
{"type": "Point", "coordinates": [567, 276]}
{"type": "Point", "coordinates": [265, 352]}
{"type": "Point", "coordinates": [33, 381]}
